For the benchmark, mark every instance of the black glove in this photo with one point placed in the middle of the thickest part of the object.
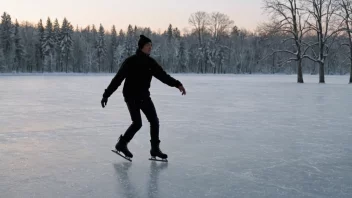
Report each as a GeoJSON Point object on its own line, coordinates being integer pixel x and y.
{"type": "Point", "coordinates": [104, 101]}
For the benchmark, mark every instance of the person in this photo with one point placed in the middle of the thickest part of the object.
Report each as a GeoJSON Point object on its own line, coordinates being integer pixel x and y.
{"type": "Point", "coordinates": [137, 71]}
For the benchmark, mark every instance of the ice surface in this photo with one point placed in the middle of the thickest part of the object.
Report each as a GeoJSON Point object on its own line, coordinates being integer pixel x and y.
{"type": "Point", "coordinates": [230, 136]}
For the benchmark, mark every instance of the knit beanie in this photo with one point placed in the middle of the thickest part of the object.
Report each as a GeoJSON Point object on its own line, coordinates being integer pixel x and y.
{"type": "Point", "coordinates": [142, 41]}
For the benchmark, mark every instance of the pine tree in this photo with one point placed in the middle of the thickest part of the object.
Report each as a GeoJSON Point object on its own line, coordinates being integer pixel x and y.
{"type": "Point", "coordinates": [92, 52]}
{"type": "Point", "coordinates": [57, 49]}
{"type": "Point", "coordinates": [39, 46]}
{"type": "Point", "coordinates": [182, 58]}
{"type": "Point", "coordinates": [129, 41]}
{"type": "Point", "coordinates": [136, 34]}
{"type": "Point", "coordinates": [101, 47]}
{"type": "Point", "coordinates": [19, 49]}
{"type": "Point", "coordinates": [113, 48]}
{"type": "Point", "coordinates": [177, 34]}
{"type": "Point", "coordinates": [66, 42]}
{"type": "Point", "coordinates": [48, 46]}
{"type": "Point", "coordinates": [6, 33]}
{"type": "Point", "coordinates": [29, 41]}
{"type": "Point", "coordinates": [78, 51]}
{"type": "Point", "coordinates": [170, 48]}
{"type": "Point", "coordinates": [94, 36]}
{"type": "Point", "coordinates": [147, 32]}
{"type": "Point", "coordinates": [121, 52]}
{"type": "Point", "coordinates": [121, 38]}
{"type": "Point", "coordinates": [2, 61]}
{"type": "Point", "coordinates": [169, 35]}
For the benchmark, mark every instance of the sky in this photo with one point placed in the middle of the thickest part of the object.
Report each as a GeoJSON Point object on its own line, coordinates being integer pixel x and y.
{"type": "Point", "coordinates": [156, 14]}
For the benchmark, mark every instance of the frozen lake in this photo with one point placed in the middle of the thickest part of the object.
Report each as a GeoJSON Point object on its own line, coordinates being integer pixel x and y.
{"type": "Point", "coordinates": [230, 136]}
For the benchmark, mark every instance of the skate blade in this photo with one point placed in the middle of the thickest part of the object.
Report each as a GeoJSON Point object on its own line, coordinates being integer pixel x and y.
{"type": "Point", "coordinates": [159, 160]}
{"type": "Point", "coordinates": [117, 152]}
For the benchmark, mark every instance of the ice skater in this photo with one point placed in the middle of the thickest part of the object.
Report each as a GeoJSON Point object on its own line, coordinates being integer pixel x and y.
{"type": "Point", "coordinates": [137, 71]}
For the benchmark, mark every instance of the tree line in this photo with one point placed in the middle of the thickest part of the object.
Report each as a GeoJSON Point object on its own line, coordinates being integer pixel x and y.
{"type": "Point", "coordinates": [303, 36]}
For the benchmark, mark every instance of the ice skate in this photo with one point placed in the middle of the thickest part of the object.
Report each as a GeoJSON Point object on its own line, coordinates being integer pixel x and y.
{"type": "Point", "coordinates": [121, 147]}
{"type": "Point", "coordinates": [156, 152]}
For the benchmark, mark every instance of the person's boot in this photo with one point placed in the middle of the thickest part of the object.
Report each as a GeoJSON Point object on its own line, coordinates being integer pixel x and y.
{"type": "Point", "coordinates": [121, 146]}
{"type": "Point", "coordinates": [155, 150]}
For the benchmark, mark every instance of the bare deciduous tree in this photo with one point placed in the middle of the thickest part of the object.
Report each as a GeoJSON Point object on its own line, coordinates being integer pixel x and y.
{"type": "Point", "coordinates": [220, 24]}
{"type": "Point", "coordinates": [326, 26]}
{"type": "Point", "coordinates": [346, 8]}
{"type": "Point", "coordinates": [200, 21]}
{"type": "Point", "coordinates": [289, 20]}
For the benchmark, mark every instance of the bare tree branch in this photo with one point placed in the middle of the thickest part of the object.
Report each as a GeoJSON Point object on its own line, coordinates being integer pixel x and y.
{"type": "Point", "coordinates": [309, 57]}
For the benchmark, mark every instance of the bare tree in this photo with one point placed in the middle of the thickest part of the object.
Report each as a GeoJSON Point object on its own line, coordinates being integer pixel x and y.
{"type": "Point", "coordinates": [219, 24]}
{"type": "Point", "coordinates": [200, 21]}
{"type": "Point", "coordinates": [219, 27]}
{"type": "Point", "coordinates": [326, 26]}
{"type": "Point", "coordinates": [346, 8]}
{"type": "Point", "coordinates": [291, 21]}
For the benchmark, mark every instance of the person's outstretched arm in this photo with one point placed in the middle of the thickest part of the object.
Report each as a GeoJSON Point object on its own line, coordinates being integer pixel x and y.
{"type": "Point", "coordinates": [160, 74]}
{"type": "Point", "coordinates": [117, 80]}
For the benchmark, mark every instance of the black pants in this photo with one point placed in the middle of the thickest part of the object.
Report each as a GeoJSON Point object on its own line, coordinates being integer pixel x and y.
{"type": "Point", "coordinates": [148, 108]}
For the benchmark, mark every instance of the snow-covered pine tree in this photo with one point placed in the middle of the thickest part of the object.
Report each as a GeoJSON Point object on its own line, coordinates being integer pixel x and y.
{"type": "Point", "coordinates": [136, 33]}
{"type": "Point", "coordinates": [78, 51]}
{"type": "Point", "coordinates": [170, 49]}
{"type": "Point", "coordinates": [119, 55]}
{"type": "Point", "coordinates": [120, 52]}
{"type": "Point", "coordinates": [57, 49]}
{"type": "Point", "coordinates": [147, 32]}
{"type": "Point", "coordinates": [29, 41]}
{"type": "Point", "coordinates": [19, 49]}
{"type": "Point", "coordinates": [2, 62]}
{"type": "Point", "coordinates": [39, 46]}
{"type": "Point", "coordinates": [66, 42]}
{"type": "Point", "coordinates": [87, 63]}
{"type": "Point", "coordinates": [48, 46]}
{"type": "Point", "coordinates": [121, 37]}
{"type": "Point", "coordinates": [130, 41]}
{"type": "Point", "coordinates": [7, 39]}
{"type": "Point", "coordinates": [177, 34]}
{"type": "Point", "coordinates": [112, 49]}
{"type": "Point", "coordinates": [169, 34]}
{"type": "Point", "coordinates": [182, 57]}
{"type": "Point", "coordinates": [101, 48]}
{"type": "Point", "coordinates": [93, 42]}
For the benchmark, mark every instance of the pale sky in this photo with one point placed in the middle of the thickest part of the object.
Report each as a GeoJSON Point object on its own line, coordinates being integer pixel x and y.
{"type": "Point", "coordinates": [156, 14]}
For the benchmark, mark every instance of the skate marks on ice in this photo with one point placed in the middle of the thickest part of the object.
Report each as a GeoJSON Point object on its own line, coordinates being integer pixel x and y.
{"type": "Point", "coordinates": [254, 137]}
{"type": "Point", "coordinates": [130, 190]}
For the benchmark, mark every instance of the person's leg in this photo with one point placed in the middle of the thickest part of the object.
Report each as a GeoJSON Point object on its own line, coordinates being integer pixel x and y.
{"type": "Point", "coordinates": [134, 109]}
{"type": "Point", "coordinates": [148, 108]}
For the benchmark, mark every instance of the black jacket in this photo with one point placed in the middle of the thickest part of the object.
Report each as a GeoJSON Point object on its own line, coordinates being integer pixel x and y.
{"type": "Point", "coordinates": [137, 71]}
